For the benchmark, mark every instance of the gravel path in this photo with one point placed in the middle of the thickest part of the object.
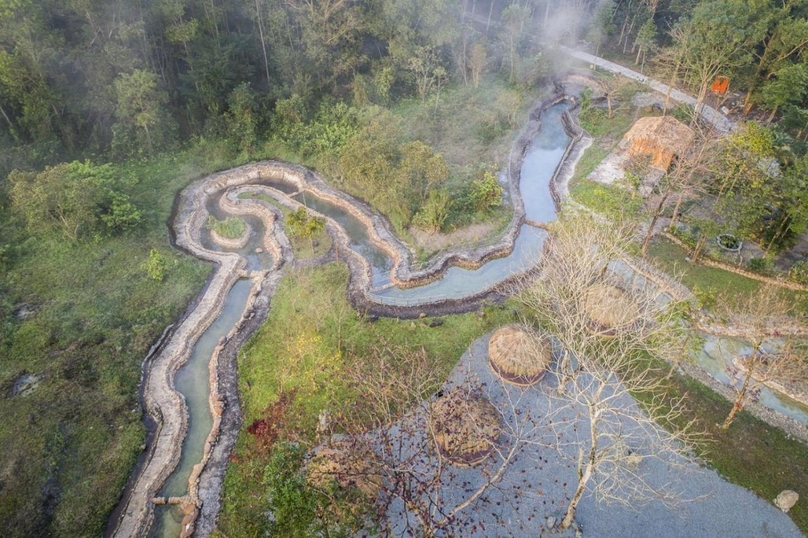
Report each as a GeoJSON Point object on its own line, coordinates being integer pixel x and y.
{"type": "Point", "coordinates": [538, 484]}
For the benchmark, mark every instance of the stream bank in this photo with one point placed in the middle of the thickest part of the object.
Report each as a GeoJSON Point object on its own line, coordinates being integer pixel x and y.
{"type": "Point", "coordinates": [168, 408]}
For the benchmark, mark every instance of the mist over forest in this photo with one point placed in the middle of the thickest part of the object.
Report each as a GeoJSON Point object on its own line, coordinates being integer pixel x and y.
{"type": "Point", "coordinates": [109, 108]}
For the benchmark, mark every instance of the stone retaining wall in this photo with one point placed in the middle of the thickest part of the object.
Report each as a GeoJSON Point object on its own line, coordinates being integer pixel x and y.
{"type": "Point", "coordinates": [167, 406]}
{"type": "Point", "coordinates": [581, 141]}
{"type": "Point", "coordinates": [235, 243]}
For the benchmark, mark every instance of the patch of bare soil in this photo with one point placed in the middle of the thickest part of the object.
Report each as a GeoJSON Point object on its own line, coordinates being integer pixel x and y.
{"type": "Point", "coordinates": [612, 169]}
{"type": "Point", "coordinates": [464, 236]}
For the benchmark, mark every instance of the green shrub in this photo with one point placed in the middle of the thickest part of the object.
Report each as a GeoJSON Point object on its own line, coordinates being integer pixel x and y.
{"type": "Point", "coordinates": [799, 272]}
{"type": "Point", "coordinates": [156, 266]}
{"type": "Point", "coordinates": [760, 265]}
{"type": "Point", "coordinates": [486, 192]}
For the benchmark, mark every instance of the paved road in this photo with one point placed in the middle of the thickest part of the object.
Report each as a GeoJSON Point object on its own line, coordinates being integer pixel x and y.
{"type": "Point", "coordinates": [718, 120]}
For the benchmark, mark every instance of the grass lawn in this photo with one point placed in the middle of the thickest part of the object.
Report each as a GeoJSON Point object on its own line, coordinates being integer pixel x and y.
{"type": "Point", "coordinates": [301, 353]}
{"type": "Point", "coordinates": [610, 200]}
{"type": "Point", "coordinates": [229, 228]}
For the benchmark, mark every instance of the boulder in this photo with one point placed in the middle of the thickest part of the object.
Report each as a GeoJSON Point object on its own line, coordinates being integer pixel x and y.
{"type": "Point", "coordinates": [786, 500]}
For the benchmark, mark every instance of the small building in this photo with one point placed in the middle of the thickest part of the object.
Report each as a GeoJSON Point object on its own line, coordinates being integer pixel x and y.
{"type": "Point", "coordinates": [663, 138]}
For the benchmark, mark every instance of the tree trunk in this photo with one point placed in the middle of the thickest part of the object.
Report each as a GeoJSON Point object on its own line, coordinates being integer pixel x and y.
{"type": "Point", "coordinates": [11, 128]}
{"type": "Point", "coordinates": [781, 230]}
{"type": "Point", "coordinates": [738, 404]}
{"type": "Point", "coordinates": [263, 41]}
{"type": "Point", "coordinates": [670, 86]}
{"type": "Point", "coordinates": [699, 247]}
{"type": "Point", "coordinates": [583, 476]}
{"type": "Point", "coordinates": [654, 220]}
{"type": "Point", "coordinates": [148, 137]}
{"type": "Point", "coordinates": [701, 97]}
{"type": "Point", "coordinates": [675, 216]}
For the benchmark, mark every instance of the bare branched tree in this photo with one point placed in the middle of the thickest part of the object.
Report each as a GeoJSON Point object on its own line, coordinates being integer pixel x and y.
{"type": "Point", "coordinates": [686, 179]}
{"type": "Point", "coordinates": [610, 438]}
{"type": "Point", "coordinates": [585, 252]}
{"type": "Point", "coordinates": [425, 490]}
{"type": "Point", "coordinates": [765, 318]}
{"type": "Point", "coordinates": [611, 327]}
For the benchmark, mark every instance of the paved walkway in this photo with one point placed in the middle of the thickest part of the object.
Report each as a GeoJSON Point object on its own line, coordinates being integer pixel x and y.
{"type": "Point", "coordinates": [542, 476]}
{"type": "Point", "coordinates": [711, 115]}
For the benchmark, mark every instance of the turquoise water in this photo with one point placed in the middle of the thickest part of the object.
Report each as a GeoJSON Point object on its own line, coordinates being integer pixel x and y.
{"type": "Point", "coordinates": [192, 380]}
{"type": "Point", "coordinates": [717, 353]}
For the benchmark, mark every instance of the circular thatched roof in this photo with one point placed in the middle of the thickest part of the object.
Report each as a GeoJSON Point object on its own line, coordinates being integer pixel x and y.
{"type": "Point", "coordinates": [608, 308]}
{"type": "Point", "coordinates": [465, 426]}
{"type": "Point", "coordinates": [346, 464]}
{"type": "Point", "coordinates": [519, 355]}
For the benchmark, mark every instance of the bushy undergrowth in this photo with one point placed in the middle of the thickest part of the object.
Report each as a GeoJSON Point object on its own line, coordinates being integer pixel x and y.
{"type": "Point", "coordinates": [80, 315]}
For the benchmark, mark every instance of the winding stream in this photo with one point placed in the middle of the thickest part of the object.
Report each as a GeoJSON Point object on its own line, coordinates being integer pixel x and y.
{"type": "Point", "coordinates": [192, 381]}
{"type": "Point", "coordinates": [384, 260]}
{"type": "Point", "coordinates": [381, 277]}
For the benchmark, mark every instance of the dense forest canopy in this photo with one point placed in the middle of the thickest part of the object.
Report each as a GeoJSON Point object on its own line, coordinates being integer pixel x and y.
{"type": "Point", "coordinates": [83, 77]}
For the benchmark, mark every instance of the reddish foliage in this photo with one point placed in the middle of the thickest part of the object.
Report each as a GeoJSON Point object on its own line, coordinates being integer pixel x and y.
{"type": "Point", "coordinates": [267, 429]}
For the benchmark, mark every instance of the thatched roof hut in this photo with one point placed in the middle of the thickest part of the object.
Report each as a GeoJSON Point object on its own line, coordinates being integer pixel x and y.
{"type": "Point", "coordinates": [608, 308]}
{"type": "Point", "coordinates": [465, 426]}
{"type": "Point", "coordinates": [519, 355]}
{"type": "Point", "coordinates": [663, 138]}
{"type": "Point", "coordinates": [349, 465]}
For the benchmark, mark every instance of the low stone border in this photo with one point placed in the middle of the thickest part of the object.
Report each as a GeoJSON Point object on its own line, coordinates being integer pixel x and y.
{"type": "Point", "coordinates": [234, 243]}
{"type": "Point", "coordinates": [708, 262]}
{"type": "Point", "coordinates": [675, 289]}
{"type": "Point", "coordinates": [581, 141]}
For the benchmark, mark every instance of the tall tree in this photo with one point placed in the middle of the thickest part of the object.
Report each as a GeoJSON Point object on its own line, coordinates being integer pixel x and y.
{"type": "Point", "coordinates": [785, 37]}
{"type": "Point", "coordinates": [719, 36]}
{"type": "Point", "coordinates": [761, 318]}
{"type": "Point", "coordinates": [141, 108]}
